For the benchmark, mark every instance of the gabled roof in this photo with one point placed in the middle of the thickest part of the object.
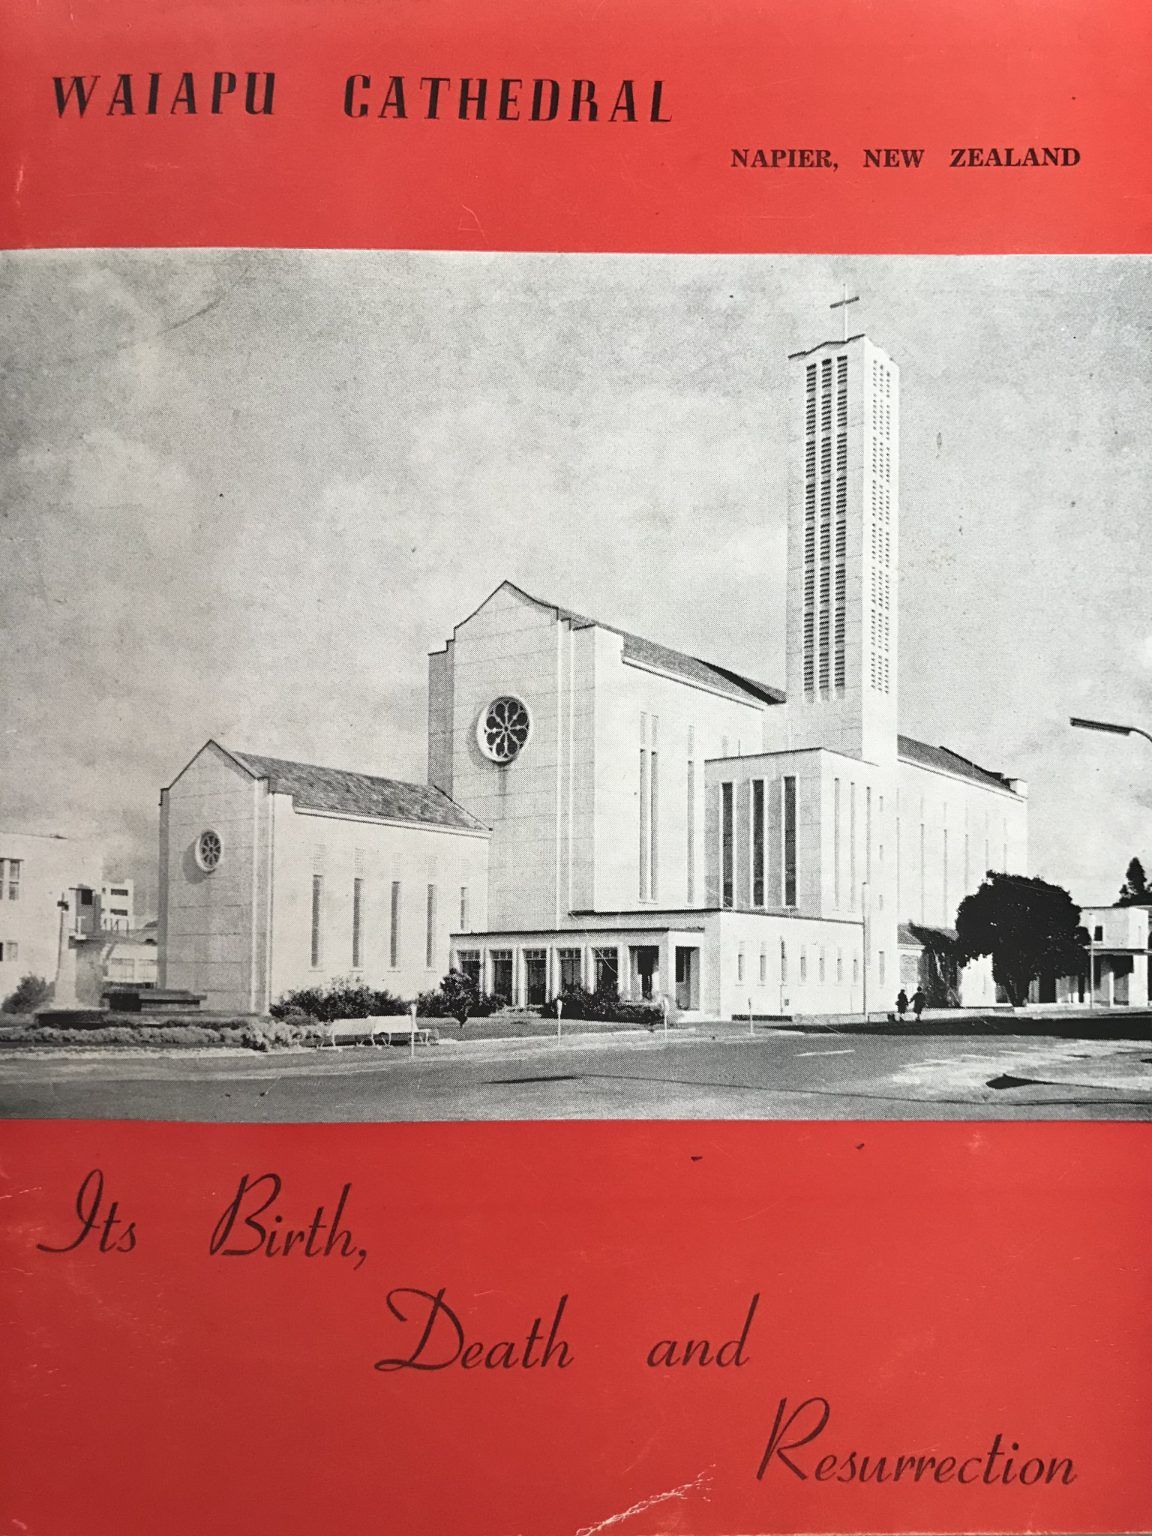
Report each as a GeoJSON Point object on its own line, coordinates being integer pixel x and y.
{"type": "Point", "coordinates": [944, 761]}
{"type": "Point", "coordinates": [357, 794]}
{"type": "Point", "coordinates": [924, 936]}
{"type": "Point", "coordinates": [661, 658]}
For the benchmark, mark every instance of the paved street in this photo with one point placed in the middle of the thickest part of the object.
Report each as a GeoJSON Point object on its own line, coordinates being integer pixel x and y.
{"type": "Point", "coordinates": [723, 1075]}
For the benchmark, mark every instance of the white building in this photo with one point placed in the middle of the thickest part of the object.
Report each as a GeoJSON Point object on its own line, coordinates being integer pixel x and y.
{"type": "Point", "coordinates": [118, 905]}
{"type": "Point", "coordinates": [602, 808]}
{"type": "Point", "coordinates": [37, 870]}
{"type": "Point", "coordinates": [1118, 962]}
{"type": "Point", "coordinates": [276, 875]}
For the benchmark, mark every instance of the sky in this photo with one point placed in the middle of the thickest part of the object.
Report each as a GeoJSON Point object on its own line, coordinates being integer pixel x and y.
{"type": "Point", "coordinates": [245, 493]}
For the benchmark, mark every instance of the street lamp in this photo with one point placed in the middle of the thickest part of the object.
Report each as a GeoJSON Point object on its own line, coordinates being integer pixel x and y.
{"type": "Point", "coordinates": [1107, 728]}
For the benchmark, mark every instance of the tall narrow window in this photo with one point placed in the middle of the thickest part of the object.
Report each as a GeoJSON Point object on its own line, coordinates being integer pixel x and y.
{"type": "Point", "coordinates": [606, 969]}
{"type": "Point", "coordinates": [430, 930]}
{"type": "Point", "coordinates": [899, 906]}
{"type": "Point", "coordinates": [468, 964]}
{"type": "Point", "coordinates": [357, 924]}
{"type": "Point", "coordinates": [653, 823]}
{"type": "Point", "coordinates": [740, 963]}
{"type": "Point", "coordinates": [757, 842]}
{"type": "Point", "coordinates": [783, 962]}
{"type": "Point", "coordinates": [317, 918]}
{"type": "Point", "coordinates": [788, 840]}
{"type": "Point", "coordinates": [835, 842]}
{"type": "Point", "coordinates": [853, 892]}
{"type": "Point", "coordinates": [13, 881]}
{"type": "Point", "coordinates": [763, 964]}
{"type": "Point", "coordinates": [394, 927]}
{"type": "Point", "coordinates": [691, 849]}
{"type": "Point", "coordinates": [727, 847]}
{"type": "Point", "coordinates": [502, 981]}
{"type": "Point", "coordinates": [463, 909]}
{"type": "Point", "coordinates": [944, 877]}
{"type": "Point", "coordinates": [645, 825]}
{"type": "Point", "coordinates": [571, 970]}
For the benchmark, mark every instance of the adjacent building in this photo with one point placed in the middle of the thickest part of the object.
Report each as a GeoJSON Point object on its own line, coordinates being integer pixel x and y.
{"type": "Point", "coordinates": [1118, 962]}
{"type": "Point", "coordinates": [118, 905]}
{"type": "Point", "coordinates": [37, 871]}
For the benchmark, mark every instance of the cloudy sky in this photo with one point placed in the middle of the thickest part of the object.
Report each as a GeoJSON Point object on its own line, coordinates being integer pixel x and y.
{"type": "Point", "coordinates": [244, 493]}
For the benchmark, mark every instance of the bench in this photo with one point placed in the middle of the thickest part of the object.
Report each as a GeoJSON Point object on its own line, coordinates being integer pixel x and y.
{"type": "Point", "coordinates": [391, 1027]}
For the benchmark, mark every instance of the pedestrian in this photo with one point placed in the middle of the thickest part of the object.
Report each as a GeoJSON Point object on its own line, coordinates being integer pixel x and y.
{"type": "Point", "coordinates": [918, 1001]}
{"type": "Point", "coordinates": [901, 1002]}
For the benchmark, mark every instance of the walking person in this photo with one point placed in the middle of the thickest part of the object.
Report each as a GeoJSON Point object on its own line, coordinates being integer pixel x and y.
{"type": "Point", "coordinates": [901, 1002]}
{"type": "Point", "coordinates": [918, 1001]}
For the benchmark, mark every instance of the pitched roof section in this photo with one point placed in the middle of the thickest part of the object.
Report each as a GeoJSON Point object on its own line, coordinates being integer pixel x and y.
{"type": "Point", "coordinates": [944, 761]}
{"type": "Point", "coordinates": [358, 794]}
{"type": "Point", "coordinates": [661, 658]}
{"type": "Point", "coordinates": [922, 935]}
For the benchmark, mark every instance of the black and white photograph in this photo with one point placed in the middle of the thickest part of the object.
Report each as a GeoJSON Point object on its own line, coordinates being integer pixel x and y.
{"type": "Point", "coordinates": [508, 687]}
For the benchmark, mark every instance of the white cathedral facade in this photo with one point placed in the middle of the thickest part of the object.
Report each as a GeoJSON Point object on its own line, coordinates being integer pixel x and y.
{"type": "Point", "coordinates": [601, 809]}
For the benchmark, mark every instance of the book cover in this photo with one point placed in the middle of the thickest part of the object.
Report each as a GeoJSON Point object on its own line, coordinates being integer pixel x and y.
{"type": "Point", "coordinates": [574, 936]}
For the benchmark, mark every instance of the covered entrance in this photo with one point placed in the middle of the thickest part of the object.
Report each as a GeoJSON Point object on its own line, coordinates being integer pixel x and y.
{"type": "Point", "coordinates": [535, 977]}
{"type": "Point", "coordinates": [687, 978]}
{"type": "Point", "coordinates": [645, 971]}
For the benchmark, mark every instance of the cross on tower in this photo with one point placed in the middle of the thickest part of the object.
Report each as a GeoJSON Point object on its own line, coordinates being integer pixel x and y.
{"type": "Point", "coordinates": [843, 303]}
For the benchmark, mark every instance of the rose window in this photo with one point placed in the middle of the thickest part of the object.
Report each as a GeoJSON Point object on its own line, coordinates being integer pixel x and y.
{"type": "Point", "coordinates": [208, 850]}
{"type": "Point", "coordinates": [503, 729]}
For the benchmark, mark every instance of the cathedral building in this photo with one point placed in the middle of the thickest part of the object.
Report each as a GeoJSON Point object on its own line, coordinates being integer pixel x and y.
{"type": "Point", "coordinates": [602, 809]}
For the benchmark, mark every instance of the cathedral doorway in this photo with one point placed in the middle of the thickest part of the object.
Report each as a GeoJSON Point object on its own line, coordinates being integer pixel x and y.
{"type": "Point", "coordinates": [687, 978]}
{"type": "Point", "coordinates": [645, 971]}
{"type": "Point", "coordinates": [535, 977]}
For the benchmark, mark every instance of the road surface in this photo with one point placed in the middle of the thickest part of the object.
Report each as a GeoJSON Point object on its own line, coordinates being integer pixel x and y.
{"type": "Point", "coordinates": [778, 1074]}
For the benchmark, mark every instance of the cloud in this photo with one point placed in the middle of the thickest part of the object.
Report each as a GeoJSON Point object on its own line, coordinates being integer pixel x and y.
{"type": "Point", "coordinates": [246, 492]}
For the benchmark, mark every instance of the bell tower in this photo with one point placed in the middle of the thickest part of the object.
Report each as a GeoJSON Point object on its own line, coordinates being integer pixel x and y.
{"type": "Point", "coordinates": [843, 498]}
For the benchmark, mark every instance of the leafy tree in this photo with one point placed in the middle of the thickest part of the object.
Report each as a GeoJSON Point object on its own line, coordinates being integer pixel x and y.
{"type": "Point", "coordinates": [1135, 892]}
{"type": "Point", "coordinates": [31, 992]}
{"type": "Point", "coordinates": [459, 997]}
{"type": "Point", "coordinates": [1030, 929]}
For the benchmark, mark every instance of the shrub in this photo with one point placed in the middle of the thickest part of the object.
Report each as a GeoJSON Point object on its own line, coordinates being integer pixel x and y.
{"type": "Point", "coordinates": [131, 1029]}
{"type": "Point", "coordinates": [579, 1003]}
{"type": "Point", "coordinates": [602, 1006]}
{"type": "Point", "coordinates": [31, 992]}
{"type": "Point", "coordinates": [342, 998]}
{"type": "Point", "coordinates": [457, 997]}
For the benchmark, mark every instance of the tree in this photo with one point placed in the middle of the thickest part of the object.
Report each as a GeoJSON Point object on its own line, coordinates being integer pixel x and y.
{"type": "Point", "coordinates": [1030, 928]}
{"type": "Point", "coordinates": [461, 996]}
{"type": "Point", "coordinates": [31, 993]}
{"type": "Point", "coordinates": [1135, 892]}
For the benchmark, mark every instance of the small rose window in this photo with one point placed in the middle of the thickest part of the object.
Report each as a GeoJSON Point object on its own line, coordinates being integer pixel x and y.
{"type": "Point", "coordinates": [503, 729]}
{"type": "Point", "coordinates": [208, 850]}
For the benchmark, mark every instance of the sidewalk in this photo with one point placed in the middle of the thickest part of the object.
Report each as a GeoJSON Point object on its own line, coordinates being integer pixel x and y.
{"type": "Point", "coordinates": [1059, 1023]}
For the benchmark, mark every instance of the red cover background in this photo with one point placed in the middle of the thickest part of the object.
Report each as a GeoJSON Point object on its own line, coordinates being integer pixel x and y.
{"type": "Point", "coordinates": [938, 1283]}
{"type": "Point", "coordinates": [843, 74]}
